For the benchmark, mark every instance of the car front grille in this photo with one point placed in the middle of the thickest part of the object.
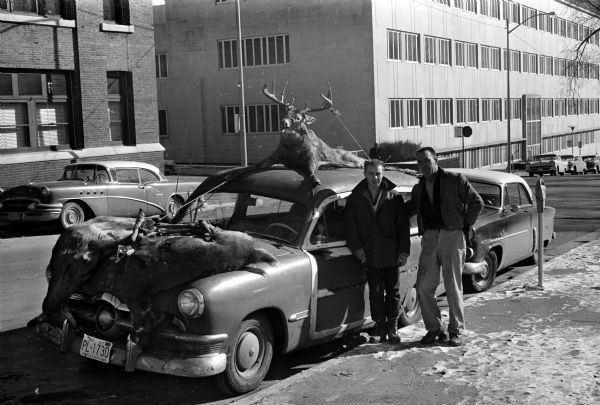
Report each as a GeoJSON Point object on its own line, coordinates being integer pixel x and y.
{"type": "Point", "coordinates": [16, 205]}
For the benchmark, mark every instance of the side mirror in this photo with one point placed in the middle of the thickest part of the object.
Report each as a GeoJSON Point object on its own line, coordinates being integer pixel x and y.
{"type": "Point", "coordinates": [514, 208]}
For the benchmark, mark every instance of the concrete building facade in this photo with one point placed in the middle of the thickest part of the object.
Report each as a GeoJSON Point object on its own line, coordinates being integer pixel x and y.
{"type": "Point", "coordinates": [411, 70]}
{"type": "Point", "coordinates": [77, 81]}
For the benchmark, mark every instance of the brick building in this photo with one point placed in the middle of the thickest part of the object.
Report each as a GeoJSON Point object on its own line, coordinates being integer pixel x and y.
{"type": "Point", "coordinates": [401, 70]}
{"type": "Point", "coordinates": [77, 81]}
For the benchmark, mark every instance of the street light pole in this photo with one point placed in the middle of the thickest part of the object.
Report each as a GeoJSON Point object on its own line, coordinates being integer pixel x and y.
{"type": "Point", "coordinates": [243, 146]}
{"type": "Point", "coordinates": [508, 103]}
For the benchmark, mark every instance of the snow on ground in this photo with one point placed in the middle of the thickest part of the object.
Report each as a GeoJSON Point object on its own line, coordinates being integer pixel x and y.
{"type": "Point", "coordinates": [548, 357]}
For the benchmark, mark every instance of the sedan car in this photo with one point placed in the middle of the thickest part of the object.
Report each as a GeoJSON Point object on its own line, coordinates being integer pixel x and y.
{"type": "Point", "coordinates": [506, 231]}
{"type": "Point", "coordinates": [549, 163]}
{"type": "Point", "coordinates": [89, 189]}
{"type": "Point", "coordinates": [575, 164]}
{"type": "Point", "coordinates": [592, 163]}
{"type": "Point", "coordinates": [230, 324]}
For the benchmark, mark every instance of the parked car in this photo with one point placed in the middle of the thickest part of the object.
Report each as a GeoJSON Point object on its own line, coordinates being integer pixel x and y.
{"type": "Point", "coordinates": [231, 324]}
{"type": "Point", "coordinates": [549, 163]}
{"type": "Point", "coordinates": [592, 163]}
{"type": "Point", "coordinates": [575, 165]}
{"type": "Point", "coordinates": [88, 189]}
{"type": "Point", "coordinates": [506, 231]}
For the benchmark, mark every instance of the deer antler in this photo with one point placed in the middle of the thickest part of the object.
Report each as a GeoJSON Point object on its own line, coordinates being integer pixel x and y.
{"type": "Point", "coordinates": [327, 102]}
{"type": "Point", "coordinates": [272, 97]}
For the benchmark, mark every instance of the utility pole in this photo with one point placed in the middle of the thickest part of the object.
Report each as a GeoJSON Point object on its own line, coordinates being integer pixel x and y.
{"type": "Point", "coordinates": [242, 115]}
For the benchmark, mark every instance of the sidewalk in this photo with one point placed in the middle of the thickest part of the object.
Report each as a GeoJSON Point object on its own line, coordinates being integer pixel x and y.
{"type": "Point", "coordinates": [523, 346]}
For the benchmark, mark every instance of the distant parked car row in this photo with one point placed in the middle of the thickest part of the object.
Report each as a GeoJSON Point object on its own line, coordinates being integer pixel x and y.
{"type": "Point", "coordinates": [553, 164]}
{"type": "Point", "coordinates": [88, 189]}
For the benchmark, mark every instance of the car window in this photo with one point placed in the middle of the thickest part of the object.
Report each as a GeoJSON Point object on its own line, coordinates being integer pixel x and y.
{"type": "Point", "coordinates": [102, 175]}
{"type": "Point", "coordinates": [490, 193]}
{"type": "Point", "coordinates": [330, 225]}
{"type": "Point", "coordinates": [216, 208]}
{"type": "Point", "coordinates": [517, 194]}
{"type": "Point", "coordinates": [128, 176]}
{"type": "Point", "coordinates": [147, 175]}
{"type": "Point", "coordinates": [269, 217]}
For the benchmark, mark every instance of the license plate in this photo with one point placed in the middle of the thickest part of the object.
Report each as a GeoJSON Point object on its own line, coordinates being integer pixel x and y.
{"type": "Point", "coordinates": [95, 348]}
{"type": "Point", "coordinates": [15, 216]}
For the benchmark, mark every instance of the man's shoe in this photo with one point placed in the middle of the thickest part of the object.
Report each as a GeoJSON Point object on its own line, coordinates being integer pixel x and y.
{"type": "Point", "coordinates": [431, 335]}
{"type": "Point", "coordinates": [455, 340]}
{"type": "Point", "coordinates": [392, 332]}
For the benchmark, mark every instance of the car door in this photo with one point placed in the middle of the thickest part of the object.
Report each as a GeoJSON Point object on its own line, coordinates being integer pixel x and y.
{"type": "Point", "coordinates": [126, 195]}
{"type": "Point", "coordinates": [519, 213]}
{"type": "Point", "coordinates": [156, 197]}
{"type": "Point", "coordinates": [93, 190]}
{"type": "Point", "coordinates": [341, 291]}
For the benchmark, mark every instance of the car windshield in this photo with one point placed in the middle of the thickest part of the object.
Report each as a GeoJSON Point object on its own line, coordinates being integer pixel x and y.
{"type": "Point", "coordinates": [567, 157]}
{"type": "Point", "coordinates": [588, 157]}
{"type": "Point", "coordinates": [545, 157]}
{"type": "Point", "coordinates": [258, 215]}
{"type": "Point", "coordinates": [490, 193]}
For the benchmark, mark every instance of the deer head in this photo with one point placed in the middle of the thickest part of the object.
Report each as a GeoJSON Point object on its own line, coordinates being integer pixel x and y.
{"type": "Point", "coordinates": [295, 120]}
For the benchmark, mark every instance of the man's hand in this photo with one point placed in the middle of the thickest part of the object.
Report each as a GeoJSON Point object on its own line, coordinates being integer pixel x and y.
{"type": "Point", "coordinates": [360, 255]}
{"type": "Point", "coordinates": [402, 259]}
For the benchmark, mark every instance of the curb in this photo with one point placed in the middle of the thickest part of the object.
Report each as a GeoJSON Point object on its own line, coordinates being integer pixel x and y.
{"type": "Point", "coordinates": [257, 397]}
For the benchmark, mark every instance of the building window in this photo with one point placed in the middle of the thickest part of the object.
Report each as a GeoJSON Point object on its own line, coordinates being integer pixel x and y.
{"type": "Point", "coordinates": [394, 45]}
{"type": "Point", "coordinates": [594, 71]}
{"type": "Point", "coordinates": [572, 105]}
{"type": "Point", "coordinates": [411, 47]}
{"type": "Point", "coordinates": [560, 107]}
{"type": "Point", "coordinates": [117, 11]}
{"type": "Point", "coordinates": [413, 112]}
{"type": "Point", "coordinates": [445, 2]}
{"type": "Point", "coordinates": [490, 57]}
{"type": "Point", "coordinates": [466, 54]}
{"type": "Point", "coordinates": [459, 54]}
{"type": "Point", "coordinates": [46, 8]}
{"type": "Point", "coordinates": [529, 17]}
{"type": "Point", "coordinates": [560, 67]}
{"type": "Point", "coordinates": [439, 111]}
{"type": "Point", "coordinates": [572, 31]}
{"type": "Point", "coordinates": [511, 11]}
{"type": "Point", "coordinates": [496, 109]}
{"type": "Point", "coordinates": [545, 22]}
{"type": "Point", "coordinates": [491, 8]}
{"type": "Point", "coordinates": [547, 107]}
{"type": "Point", "coordinates": [560, 26]}
{"type": "Point", "coordinates": [120, 107]}
{"type": "Point", "coordinates": [395, 113]}
{"type": "Point", "coordinates": [260, 118]}
{"type": "Point", "coordinates": [256, 51]}
{"type": "Point", "coordinates": [515, 60]}
{"type": "Point", "coordinates": [584, 106]}
{"type": "Point", "coordinates": [530, 63]}
{"type": "Point", "coordinates": [468, 5]}
{"type": "Point", "coordinates": [432, 112]}
{"type": "Point", "coordinates": [515, 104]}
{"type": "Point", "coordinates": [34, 110]}
{"type": "Point", "coordinates": [546, 65]}
{"type": "Point", "coordinates": [485, 110]}
{"type": "Point", "coordinates": [160, 61]}
{"type": "Point", "coordinates": [445, 110]}
{"type": "Point", "coordinates": [437, 50]}
{"type": "Point", "coordinates": [594, 106]}
{"type": "Point", "coordinates": [162, 123]}
{"type": "Point", "coordinates": [466, 110]}
{"type": "Point", "coordinates": [595, 39]}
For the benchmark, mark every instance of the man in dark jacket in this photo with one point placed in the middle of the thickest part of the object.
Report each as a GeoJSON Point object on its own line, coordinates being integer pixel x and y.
{"type": "Point", "coordinates": [378, 231]}
{"type": "Point", "coordinates": [446, 205]}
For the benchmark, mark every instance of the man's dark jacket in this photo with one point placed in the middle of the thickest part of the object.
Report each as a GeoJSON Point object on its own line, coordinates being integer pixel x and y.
{"type": "Point", "coordinates": [383, 233]}
{"type": "Point", "coordinates": [460, 203]}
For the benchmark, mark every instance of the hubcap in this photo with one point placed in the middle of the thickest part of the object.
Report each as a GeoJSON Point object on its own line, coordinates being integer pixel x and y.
{"type": "Point", "coordinates": [72, 217]}
{"type": "Point", "coordinates": [247, 351]}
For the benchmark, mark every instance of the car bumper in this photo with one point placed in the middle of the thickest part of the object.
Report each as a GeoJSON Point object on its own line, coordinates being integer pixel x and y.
{"type": "Point", "coordinates": [42, 213]}
{"type": "Point", "coordinates": [132, 358]}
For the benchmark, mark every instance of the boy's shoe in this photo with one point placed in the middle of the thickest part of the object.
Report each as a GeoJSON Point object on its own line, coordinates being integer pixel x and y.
{"type": "Point", "coordinates": [431, 335]}
{"type": "Point", "coordinates": [455, 340]}
{"type": "Point", "coordinates": [392, 332]}
{"type": "Point", "coordinates": [380, 333]}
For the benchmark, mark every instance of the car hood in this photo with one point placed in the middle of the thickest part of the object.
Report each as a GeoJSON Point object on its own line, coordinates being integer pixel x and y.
{"type": "Point", "coordinates": [34, 190]}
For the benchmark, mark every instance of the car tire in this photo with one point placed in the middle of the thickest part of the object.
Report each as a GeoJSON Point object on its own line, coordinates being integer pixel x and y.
{"type": "Point", "coordinates": [71, 214]}
{"type": "Point", "coordinates": [411, 312]}
{"type": "Point", "coordinates": [173, 205]}
{"type": "Point", "coordinates": [530, 174]}
{"type": "Point", "coordinates": [554, 173]}
{"type": "Point", "coordinates": [248, 357]}
{"type": "Point", "coordinates": [482, 282]}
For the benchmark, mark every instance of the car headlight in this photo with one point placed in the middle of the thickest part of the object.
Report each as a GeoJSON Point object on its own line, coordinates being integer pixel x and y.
{"type": "Point", "coordinates": [32, 206]}
{"type": "Point", "coordinates": [191, 303]}
{"type": "Point", "coordinates": [1, 191]}
{"type": "Point", "coordinates": [45, 191]}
